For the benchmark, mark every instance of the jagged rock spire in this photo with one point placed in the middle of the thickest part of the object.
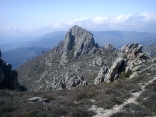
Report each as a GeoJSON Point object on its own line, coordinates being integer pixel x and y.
{"type": "Point", "coordinates": [78, 39]}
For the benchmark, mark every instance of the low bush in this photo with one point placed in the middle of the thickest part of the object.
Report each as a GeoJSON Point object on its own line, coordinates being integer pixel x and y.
{"type": "Point", "coordinates": [81, 112]}
{"type": "Point", "coordinates": [125, 74]}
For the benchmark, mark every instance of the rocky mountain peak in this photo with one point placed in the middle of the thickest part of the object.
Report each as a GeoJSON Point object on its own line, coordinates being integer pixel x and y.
{"type": "Point", "coordinates": [79, 40]}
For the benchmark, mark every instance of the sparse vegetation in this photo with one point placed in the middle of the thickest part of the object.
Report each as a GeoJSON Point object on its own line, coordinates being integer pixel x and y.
{"type": "Point", "coordinates": [125, 74]}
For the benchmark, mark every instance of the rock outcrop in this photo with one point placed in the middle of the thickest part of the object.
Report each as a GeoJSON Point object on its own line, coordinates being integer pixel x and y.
{"type": "Point", "coordinates": [132, 51]}
{"type": "Point", "coordinates": [80, 41]}
{"type": "Point", "coordinates": [98, 61]}
{"type": "Point", "coordinates": [38, 99]}
{"type": "Point", "coordinates": [129, 60]}
{"type": "Point", "coordinates": [117, 67]}
{"type": "Point", "coordinates": [67, 81]}
{"type": "Point", "coordinates": [101, 75]}
{"type": "Point", "coordinates": [8, 77]}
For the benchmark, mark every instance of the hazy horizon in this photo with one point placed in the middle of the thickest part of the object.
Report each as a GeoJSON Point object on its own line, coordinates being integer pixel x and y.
{"type": "Point", "coordinates": [36, 18]}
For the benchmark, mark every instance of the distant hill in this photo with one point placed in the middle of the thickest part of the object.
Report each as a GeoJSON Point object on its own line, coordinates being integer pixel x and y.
{"type": "Point", "coordinates": [119, 38]}
{"type": "Point", "coordinates": [150, 50]}
{"type": "Point", "coordinates": [49, 40]}
{"type": "Point", "coordinates": [18, 56]}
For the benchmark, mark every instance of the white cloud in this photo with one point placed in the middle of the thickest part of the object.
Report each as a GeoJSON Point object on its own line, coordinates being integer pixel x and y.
{"type": "Point", "coordinates": [143, 22]}
{"type": "Point", "coordinates": [11, 27]}
{"type": "Point", "coordinates": [128, 22]}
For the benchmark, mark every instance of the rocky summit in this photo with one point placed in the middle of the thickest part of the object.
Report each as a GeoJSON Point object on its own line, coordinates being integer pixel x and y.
{"type": "Point", "coordinates": [73, 63]}
{"type": "Point", "coordinates": [79, 40]}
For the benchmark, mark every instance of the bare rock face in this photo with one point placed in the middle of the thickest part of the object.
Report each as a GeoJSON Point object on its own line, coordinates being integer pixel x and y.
{"type": "Point", "coordinates": [79, 40]}
{"type": "Point", "coordinates": [8, 77]}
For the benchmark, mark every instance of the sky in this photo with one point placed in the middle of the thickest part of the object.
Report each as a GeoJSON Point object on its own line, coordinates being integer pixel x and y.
{"type": "Point", "coordinates": [38, 17]}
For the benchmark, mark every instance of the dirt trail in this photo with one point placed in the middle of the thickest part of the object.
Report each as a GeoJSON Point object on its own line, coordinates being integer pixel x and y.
{"type": "Point", "coordinates": [117, 108]}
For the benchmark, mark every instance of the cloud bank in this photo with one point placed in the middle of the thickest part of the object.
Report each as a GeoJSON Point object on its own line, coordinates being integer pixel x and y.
{"type": "Point", "coordinates": [142, 22]}
{"type": "Point", "coordinates": [139, 22]}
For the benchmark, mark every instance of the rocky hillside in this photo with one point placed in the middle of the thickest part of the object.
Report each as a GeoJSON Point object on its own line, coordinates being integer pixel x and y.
{"type": "Point", "coordinates": [74, 62]}
{"type": "Point", "coordinates": [109, 83]}
{"type": "Point", "coordinates": [131, 95]}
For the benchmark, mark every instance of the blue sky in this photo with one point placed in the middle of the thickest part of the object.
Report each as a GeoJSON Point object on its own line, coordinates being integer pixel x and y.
{"type": "Point", "coordinates": [43, 16]}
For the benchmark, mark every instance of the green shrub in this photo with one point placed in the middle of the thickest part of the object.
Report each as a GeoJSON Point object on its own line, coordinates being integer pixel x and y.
{"type": "Point", "coordinates": [125, 74]}
{"type": "Point", "coordinates": [122, 114]}
{"type": "Point", "coordinates": [86, 95]}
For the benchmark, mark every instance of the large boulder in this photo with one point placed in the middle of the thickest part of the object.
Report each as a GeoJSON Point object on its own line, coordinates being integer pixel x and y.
{"type": "Point", "coordinates": [117, 67]}
{"type": "Point", "coordinates": [79, 40]}
{"type": "Point", "coordinates": [101, 75]}
{"type": "Point", "coordinates": [112, 74]}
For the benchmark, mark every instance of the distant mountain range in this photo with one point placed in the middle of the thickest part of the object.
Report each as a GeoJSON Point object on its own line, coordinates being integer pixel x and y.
{"type": "Point", "coordinates": [119, 38]}
{"type": "Point", "coordinates": [150, 50]}
{"type": "Point", "coordinates": [50, 40]}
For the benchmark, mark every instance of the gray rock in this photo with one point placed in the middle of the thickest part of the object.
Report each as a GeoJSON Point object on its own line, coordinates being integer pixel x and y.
{"type": "Point", "coordinates": [134, 74]}
{"type": "Point", "coordinates": [101, 75]}
{"type": "Point", "coordinates": [132, 51]}
{"type": "Point", "coordinates": [109, 46]}
{"type": "Point", "coordinates": [98, 61]}
{"type": "Point", "coordinates": [117, 67]}
{"type": "Point", "coordinates": [34, 99]}
{"type": "Point", "coordinates": [78, 39]}
{"type": "Point", "coordinates": [68, 81]}
{"type": "Point", "coordinates": [138, 68]}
